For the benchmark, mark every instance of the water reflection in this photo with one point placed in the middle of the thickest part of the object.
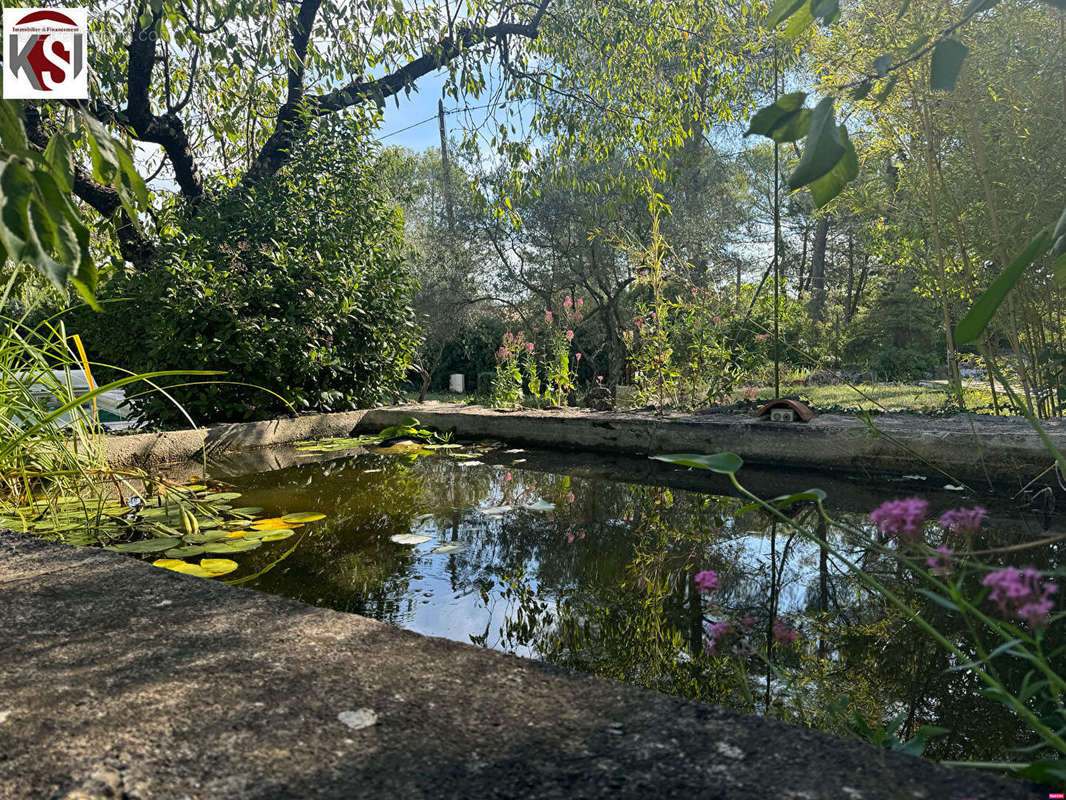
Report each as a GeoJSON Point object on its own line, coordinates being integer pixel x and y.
{"type": "Point", "coordinates": [597, 575]}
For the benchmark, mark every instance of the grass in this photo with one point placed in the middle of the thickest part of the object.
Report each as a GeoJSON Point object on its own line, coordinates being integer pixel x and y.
{"type": "Point", "coordinates": [883, 397]}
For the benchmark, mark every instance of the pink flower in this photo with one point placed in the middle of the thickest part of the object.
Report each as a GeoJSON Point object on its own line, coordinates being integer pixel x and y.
{"type": "Point", "coordinates": [941, 564]}
{"type": "Point", "coordinates": [570, 497]}
{"type": "Point", "coordinates": [716, 320]}
{"type": "Point", "coordinates": [695, 291]}
{"type": "Point", "coordinates": [570, 336]}
{"type": "Point", "coordinates": [507, 477]}
{"type": "Point", "coordinates": [548, 316]}
{"type": "Point", "coordinates": [963, 520]}
{"type": "Point", "coordinates": [503, 354]}
{"type": "Point", "coordinates": [901, 518]}
{"type": "Point", "coordinates": [1022, 593]}
{"type": "Point", "coordinates": [717, 632]}
{"type": "Point", "coordinates": [706, 581]}
{"type": "Point", "coordinates": [599, 379]}
{"type": "Point", "coordinates": [639, 322]}
{"type": "Point", "coordinates": [529, 347]}
{"type": "Point", "coordinates": [784, 634]}
{"type": "Point", "coordinates": [568, 302]}
{"type": "Point", "coordinates": [750, 392]}
{"type": "Point", "coordinates": [761, 337]}
{"type": "Point", "coordinates": [536, 330]}
{"type": "Point", "coordinates": [508, 338]}
{"type": "Point", "coordinates": [577, 356]}
{"type": "Point", "coordinates": [580, 302]}
{"type": "Point", "coordinates": [747, 621]}
{"type": "Point", "coordinates": [578, 316]}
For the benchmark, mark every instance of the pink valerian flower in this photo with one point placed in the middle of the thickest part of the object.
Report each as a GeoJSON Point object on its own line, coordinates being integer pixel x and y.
{"type": "Point", "coordinates": [536, 330]}
{"type": "Point", "coordinates": [507, 477]}
{"type": "Point", "coordinates": [1022, 593]}
{"type": "Point", "coordinates": [761, 337]}
{"type": "Point", "coordinates": [639, 322]}
{"type": "Point", "coordinates": [717, 632]}
{"type": "Point", "coordinates": [529, 347]}
{"type": "Point", "coordinates": [570, 497]}
{"type": "Point", "coordinates": [695, 291]}
{"type": "Point", "coordinates": [577, 356]}
{"type": "Point", "coordinates": [963, 520]}
{"type": "Point", "coordinates": [901, 518]}
{"type": "Point", "coordinates": [568, 302]}
{"type": "Point", "coordinates": [548, 317]}
{"type": "Point", "coordinates": [503, 354]}
{"type": "Point", "coordinates": [572, 537]}
{"type": "Point", "coordinates": [578, 316]}
{"type": "Point", "coordinates": [784, 634]}
{"type": "Point", "coordinates": [508, 338]}
{"type": "Point", "coordinates": [716, 320]}
{"type": "Point", "coordinates": [599, 379]}
{"type": "Point", "coordinates": [580, 302]}
{"type": "Point", "coordinates": [942, 564]}
{"type": "Point", "coordinates": [706, 581]}
{"type": "Point", "coordinates": [750, 392]}
{"type": "Point", "coordinates": [569, 336]}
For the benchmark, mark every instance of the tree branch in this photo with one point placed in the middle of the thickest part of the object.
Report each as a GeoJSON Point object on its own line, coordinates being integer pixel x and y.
{"type": "Point", "coordinates": [276, 151]}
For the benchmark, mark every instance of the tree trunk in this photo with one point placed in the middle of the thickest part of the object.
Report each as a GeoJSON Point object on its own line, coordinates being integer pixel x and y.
{"type": "Point", "coordinates": [817, 302]}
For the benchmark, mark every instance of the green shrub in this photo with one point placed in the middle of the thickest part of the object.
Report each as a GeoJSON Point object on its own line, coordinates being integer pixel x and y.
{"type": "Point", "coordinates": [297, 286]}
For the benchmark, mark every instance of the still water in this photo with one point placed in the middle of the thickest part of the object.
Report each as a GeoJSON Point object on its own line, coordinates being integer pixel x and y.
{"type": "Point", "coordinates": [588, 563]}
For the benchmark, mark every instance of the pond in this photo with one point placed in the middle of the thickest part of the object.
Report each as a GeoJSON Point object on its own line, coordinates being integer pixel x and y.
{"type": "Point", "coordinates": [588, 562]}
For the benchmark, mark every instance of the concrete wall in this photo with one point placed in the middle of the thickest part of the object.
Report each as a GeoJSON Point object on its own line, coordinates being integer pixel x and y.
{"type": "Point", "coordinates": [974, 449]}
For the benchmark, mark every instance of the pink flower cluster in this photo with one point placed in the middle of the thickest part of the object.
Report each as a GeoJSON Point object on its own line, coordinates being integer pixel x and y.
{"type": "Point", "coordinates": [717, 632]}
{"type": "Point", "coordinates": [761, 337]}
{"type": "Point", "coordinates": [901, 518]}
{"type": "Point", "coordinates": [784, 634]}
{"type": "Point", "coordinates": [707, 581]}
{"type": "Point", "coordinates": [1022, 593]}
{"type": "Point", "coordinates": [963, 520]}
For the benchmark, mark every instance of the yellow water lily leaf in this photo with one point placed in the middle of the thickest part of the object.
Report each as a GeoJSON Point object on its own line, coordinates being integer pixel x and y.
{"type": "Point", "coordinates": [274, 523]}
{"type": "Point", "coordinates": [218, 566]}
{"type": "Point", "coordinates": [303, 516]}
{"type": "Point", "coordinates": [207, 568]}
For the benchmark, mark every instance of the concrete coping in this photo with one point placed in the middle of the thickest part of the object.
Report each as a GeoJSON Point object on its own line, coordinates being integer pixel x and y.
{"type": "Point", "coordinates": [977, 449]}
{"type": "Point", "coordinates": [125, 681]}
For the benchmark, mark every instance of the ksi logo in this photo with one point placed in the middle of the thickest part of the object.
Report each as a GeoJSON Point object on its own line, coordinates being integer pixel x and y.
{"type": "Point", "coordinates": [44, 53]}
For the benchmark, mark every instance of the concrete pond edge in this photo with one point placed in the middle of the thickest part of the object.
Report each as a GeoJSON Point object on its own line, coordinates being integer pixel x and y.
{"type": "Point", "coordinates": [977, 449]}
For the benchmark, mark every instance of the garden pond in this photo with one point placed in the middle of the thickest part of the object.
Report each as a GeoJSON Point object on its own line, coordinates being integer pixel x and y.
{"type": "Point", "coordinates": [588, 562]}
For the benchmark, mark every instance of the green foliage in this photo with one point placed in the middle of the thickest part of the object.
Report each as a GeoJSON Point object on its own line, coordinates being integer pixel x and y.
{"type": "Point", "coordinates": [297, 286]}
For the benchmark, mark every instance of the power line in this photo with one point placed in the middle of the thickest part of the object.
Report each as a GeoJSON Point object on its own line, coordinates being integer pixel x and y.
{"type": "Point", "coordinates": [433, 117]}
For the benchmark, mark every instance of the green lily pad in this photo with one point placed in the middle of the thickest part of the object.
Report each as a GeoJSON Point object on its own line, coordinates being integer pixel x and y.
{"type": "Point", "coordinates": [249, 510]}
{"type": "Point", "coordinates": [146, 546]}
{"type": "Point", "coordinates": [207, 568]}
{"type": "Point", "coordinates": [223, 496]}
{"type": "Point", "coordinates": [409, 538]}
{"type": "Point", "coordinates": [205, 536]}
{"type": "Point", "coordinates": [231, 546]}
{"type": "Point", "coordinates": [276, 536]}
{"type": "Point", "coordinates": [451, 547]}
{"type": "Point", "coordinates": [303, 516]}
{"type": "Point", "coordinates": [185, 552]}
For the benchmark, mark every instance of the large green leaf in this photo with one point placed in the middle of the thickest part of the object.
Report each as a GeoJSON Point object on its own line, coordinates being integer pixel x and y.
{"type": "Point", "coordinates": [784, 120]}
{"type": "Point", "coordinates": [948, 56]}
{"type": "Point", "coordinates": [782, 10]}
{"type": "Point", "coordinates": [844, 172]}
{"type": "Point", "coordinates": [724, 463]}
{"type": "Point", "coordinates": [823, 149]}
{"type": "Point", "coordinates": [974, 323]}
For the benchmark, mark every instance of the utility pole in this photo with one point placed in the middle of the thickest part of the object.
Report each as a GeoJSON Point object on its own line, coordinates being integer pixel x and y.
{"type": "Point", "coordinates": [447, 170]}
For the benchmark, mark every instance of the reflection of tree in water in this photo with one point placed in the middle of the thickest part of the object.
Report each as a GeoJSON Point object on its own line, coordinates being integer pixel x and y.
{"type": "Point", "coordinates": [604, 583]}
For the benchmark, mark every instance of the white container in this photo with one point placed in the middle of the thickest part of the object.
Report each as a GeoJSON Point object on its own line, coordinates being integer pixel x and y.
{"type": "Point", "coordinates": [456, 383]}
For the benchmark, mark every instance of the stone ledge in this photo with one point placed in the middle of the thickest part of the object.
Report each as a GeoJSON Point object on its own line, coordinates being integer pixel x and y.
{"type": "Point", "coordinates": [126, 681]}
{"type": "Point", "coordinates": [978, 450]}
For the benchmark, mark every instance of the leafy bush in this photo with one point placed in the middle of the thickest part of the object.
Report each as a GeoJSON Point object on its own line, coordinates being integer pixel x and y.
{"type": "Point", "coordinates": [296, 286]}
{"type": "Point", "coordinates": [900, 364]}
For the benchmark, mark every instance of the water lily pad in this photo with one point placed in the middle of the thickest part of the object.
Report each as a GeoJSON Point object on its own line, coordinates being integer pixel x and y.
{"type": "Point", "coordinates": [223, 496]}
{"type": "Point", "coordinates": [451, 547]}
{"type": "Point", "coordinates": [540, 505]}
{"type": "Point", "coordinates": [274, 523]}
{"type": "Point", "coordinates": [409, 538]}
{"type": "Point", "coordinates": [231, 546]}
{"type": "Point", "coordinates": [146, 546]}
{"type": "Point", "coordinates": [496, 511]}
{"type": "Point", "coordinates": [212, 535]}
{"type": "Point", "coordinates": [187, 551]}
{"type": "Point", "coordinates": [303, 516]}
{"type": "Point", "coordinates": [275, 536]}
{"type": "Point", "coordinates": [207, 568]}
{"type": "Point", "coordinates": [249, 510]}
